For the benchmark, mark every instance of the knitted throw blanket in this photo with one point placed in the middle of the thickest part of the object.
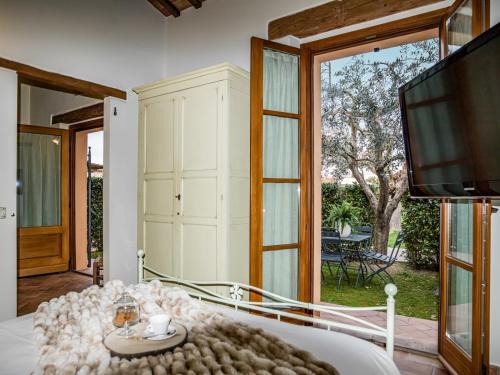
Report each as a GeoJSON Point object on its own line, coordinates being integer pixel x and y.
{"type": "Point", "coordinates": [69, 331]}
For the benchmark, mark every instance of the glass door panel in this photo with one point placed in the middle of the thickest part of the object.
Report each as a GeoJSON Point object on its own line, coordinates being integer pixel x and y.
{"type": "Point", "coordinates": [279, 262]}
{"type": "Point", "coordinates": [38, 180]}
{"type": "Point", "coordinates": [281, 81]}
{"type": "Point", "coordinates": [461, 230]}
{"type": "Point", "coordinates": [281, 214]}
{"type": "Point", "coordinates": [281, 147]}
{"type": "Point", "coordinates": [459, 309]}
{"type": "Point", "coordinates": [459, 27]}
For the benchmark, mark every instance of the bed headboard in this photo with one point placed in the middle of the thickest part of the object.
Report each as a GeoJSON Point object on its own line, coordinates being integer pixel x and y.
{"type": "Point", "coordinates": [234, 294]}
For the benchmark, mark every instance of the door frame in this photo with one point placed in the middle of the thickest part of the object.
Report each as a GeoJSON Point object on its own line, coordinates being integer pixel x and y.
{"type": "Point", "coordinates": [73, 130]}
{"type": "Point", "coordinates": [63, 228]}
{"type": "Point", "coordinates": [399, 28]}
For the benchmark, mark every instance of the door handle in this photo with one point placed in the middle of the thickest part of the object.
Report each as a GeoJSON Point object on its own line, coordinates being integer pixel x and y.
{"type": "Point", "coordinates": [178, 196]}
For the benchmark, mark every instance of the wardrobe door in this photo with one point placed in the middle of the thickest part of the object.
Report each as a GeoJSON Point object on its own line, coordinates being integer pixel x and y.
{"type": "Point", "coordinates": [157, 186]}
{"type": "Point", "coordinates": [200, 119]}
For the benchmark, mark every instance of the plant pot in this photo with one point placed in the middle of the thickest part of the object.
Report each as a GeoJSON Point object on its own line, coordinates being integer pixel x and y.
{"type": "Point", "coordinates": [346, 231]}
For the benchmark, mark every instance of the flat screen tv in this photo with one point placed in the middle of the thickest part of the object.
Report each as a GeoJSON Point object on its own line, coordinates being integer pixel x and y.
{"type": "Point", "coordinates": [451, 123]}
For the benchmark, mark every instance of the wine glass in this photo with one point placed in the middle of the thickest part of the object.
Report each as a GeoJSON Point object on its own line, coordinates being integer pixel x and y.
{"type": "Point", "coordinates": [126, 313]}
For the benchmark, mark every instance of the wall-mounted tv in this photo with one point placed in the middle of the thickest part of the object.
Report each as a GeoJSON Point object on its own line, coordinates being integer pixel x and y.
{"type": "Point", "coordinates": [451, 123]}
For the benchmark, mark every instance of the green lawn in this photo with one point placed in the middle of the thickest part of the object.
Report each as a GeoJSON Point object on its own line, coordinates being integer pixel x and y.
{"type": "Point", "coordinates": [415, 292]}
{"type": "Point", "coordinates": [392, 238]}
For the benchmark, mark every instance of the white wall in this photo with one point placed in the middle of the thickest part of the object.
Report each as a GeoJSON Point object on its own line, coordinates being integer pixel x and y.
{"type": "Point", "coordinates": [38, 104]}
{"type": "Point", "coordinates": [495, 288]}
{"type": "Point", "coordinates": [8, 240]}
{"type": "Point", "coordinates": [119, 43]}
{"type": "Point", "coordinates": [220, 31]}
{"type": "Point", "coordinates": [120, 188]}
{"type": "Point", "coordinates": [44, 103]}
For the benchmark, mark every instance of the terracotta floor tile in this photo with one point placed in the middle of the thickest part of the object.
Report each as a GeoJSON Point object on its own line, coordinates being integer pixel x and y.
{"type": "Point", "coordinates": [31, 291]}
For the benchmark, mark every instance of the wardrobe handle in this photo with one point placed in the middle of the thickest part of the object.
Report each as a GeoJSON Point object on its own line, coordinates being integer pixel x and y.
{"type": "Point", "coordinates": [178, 196]}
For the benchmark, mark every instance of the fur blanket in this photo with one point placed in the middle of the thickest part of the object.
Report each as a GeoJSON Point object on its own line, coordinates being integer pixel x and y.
{"type": "Point", "coordinates": [69, 331]}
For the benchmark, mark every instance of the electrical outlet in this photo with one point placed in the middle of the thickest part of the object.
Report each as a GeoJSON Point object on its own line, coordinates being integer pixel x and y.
{"type": "Point", "coordinates": [3, 212]}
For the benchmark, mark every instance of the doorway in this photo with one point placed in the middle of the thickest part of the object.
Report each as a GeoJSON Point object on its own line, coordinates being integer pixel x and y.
{"type": "Point", "coordinates": [365, 219]}
{"type": "Point", "coordinates": [44, 201]}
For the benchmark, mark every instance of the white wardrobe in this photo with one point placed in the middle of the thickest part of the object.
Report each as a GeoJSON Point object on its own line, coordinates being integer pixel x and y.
{"type": "Point", "coordinates": [194, 184]}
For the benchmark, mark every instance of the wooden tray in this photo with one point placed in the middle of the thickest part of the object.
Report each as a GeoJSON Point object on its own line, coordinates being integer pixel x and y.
{"type": "Point", "coordinates": [136, 346]}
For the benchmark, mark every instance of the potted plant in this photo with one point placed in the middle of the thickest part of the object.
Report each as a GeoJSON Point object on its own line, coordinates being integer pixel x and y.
{"type": "Point", "coordinates": [342, 217]}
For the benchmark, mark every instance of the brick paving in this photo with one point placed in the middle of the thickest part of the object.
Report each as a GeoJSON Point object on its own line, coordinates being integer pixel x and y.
{"type": "Point", "coordinates": [416, 334]}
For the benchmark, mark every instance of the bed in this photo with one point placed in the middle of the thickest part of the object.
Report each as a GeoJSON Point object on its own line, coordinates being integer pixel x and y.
{"type": "Point", "coordinates": [348, 354]}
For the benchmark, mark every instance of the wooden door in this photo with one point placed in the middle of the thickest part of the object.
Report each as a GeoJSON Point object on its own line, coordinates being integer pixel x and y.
{"type": "Point", "coordinates": [42, 200]}
{"type": "Point", "coordinates": [464, 322]}
{"type": "Point", "coordinates": [464, 257]}
{"type": "Point", "coordinates": [279, 233]}
{"type": "Point", "coordinates": [199, 198]}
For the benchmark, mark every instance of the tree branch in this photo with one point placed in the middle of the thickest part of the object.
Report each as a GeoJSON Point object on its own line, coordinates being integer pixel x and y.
{"type": "Point", "coordinates": [401, 187]}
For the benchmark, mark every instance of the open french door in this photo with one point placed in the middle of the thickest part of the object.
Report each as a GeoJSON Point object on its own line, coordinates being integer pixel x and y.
{"type": "Point", "coordinates": [464, 296]}
{"type": "Point", "coordinates": [279, 234]}
{"type": "Point", "coordinates": [465, 234]}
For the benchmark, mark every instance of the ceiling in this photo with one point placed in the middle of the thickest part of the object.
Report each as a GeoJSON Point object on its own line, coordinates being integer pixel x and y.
{"type": "Point", "coordinates": [175, 7]}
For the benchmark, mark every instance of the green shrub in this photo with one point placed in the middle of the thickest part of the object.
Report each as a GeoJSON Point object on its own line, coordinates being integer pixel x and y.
{"type": "Point", "coordinates": [96, 220]}
{"type": "Point", "coordinates": [334, 194]}
{"type": "Point", "coordinates": [420, 220]}
{"type": "Point", "coordinates": [342, 215]}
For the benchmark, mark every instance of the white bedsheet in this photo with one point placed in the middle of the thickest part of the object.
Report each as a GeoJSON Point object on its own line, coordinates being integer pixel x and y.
{"type": "Point", "coordinates": [349, 355]}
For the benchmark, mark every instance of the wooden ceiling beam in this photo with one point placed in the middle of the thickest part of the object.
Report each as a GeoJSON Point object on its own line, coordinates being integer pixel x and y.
{"type": "Point", "coordinates": [55, 81]}
{"type": "Point", "coordinates": [80, 114]}
{"type": "Point", "coordinates": [166, 7]}
{"type": "Point", "coordinates": [196, 3]}
{"type": "Point", "coordinates": [337, 14]}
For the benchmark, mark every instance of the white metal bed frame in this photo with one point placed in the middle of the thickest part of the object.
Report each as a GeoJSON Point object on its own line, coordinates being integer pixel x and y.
{"type": "Point", "coordinates": [279, 305]}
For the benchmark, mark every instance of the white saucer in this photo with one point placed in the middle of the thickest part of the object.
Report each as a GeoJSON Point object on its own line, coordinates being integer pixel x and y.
{"type": "Point", "coordinates": [170, 333]}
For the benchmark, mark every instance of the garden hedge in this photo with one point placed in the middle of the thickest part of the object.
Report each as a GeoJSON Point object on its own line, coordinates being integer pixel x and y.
{"type": "Point", "coordinates": [420, 220]}
{"type": "Point", "coordinates": [96, 209]}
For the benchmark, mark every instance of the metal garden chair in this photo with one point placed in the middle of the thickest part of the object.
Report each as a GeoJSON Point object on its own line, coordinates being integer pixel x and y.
{"type": "Point", "coordinates": [331, 252]}
{"type": "Point", "coordinates": [383, 261]}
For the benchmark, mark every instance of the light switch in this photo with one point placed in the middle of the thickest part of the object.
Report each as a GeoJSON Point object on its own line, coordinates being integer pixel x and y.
{"type": "Point", "coordinates": [3, 212]}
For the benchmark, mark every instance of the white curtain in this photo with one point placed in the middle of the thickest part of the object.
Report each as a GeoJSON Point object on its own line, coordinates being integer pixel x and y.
{"type": "Point", "coordinates": [38, 191]}
{"type": "Point", "coordinates": [281, 81]}
{"type": "Point", "coordinates": [281, 160]}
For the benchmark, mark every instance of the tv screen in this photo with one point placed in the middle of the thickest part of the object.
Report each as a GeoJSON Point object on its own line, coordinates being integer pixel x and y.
{"type": "Point", "coordinates": [451, 123]}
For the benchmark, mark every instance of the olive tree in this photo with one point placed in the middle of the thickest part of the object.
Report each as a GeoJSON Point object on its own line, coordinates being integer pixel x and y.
{"type": "Point", "coordinates": [362, 134]}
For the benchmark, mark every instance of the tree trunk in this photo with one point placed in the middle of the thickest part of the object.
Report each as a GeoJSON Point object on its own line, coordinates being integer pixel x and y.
{"type": "Point", "coordinates": [381, 235]}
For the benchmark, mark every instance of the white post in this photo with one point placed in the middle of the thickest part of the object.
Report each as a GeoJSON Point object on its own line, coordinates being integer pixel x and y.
{"type": "Point", "coordinates": [140, 265]}
{"type": "Point", "coordinates": [391, 290]}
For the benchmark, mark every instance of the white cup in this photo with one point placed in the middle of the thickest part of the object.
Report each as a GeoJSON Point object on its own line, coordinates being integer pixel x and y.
{"type": "Point", "coordinates": [158, 324]}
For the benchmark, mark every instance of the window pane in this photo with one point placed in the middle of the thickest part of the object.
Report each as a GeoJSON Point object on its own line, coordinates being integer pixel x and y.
{"type": "Point", "coordinates": [461, 230]}
{"type": "Point", "coordinates": [281, 147]}
{"type": "Point", "coordinates": [281, 81]}
{"type": "Point", "coordinates": [280, 272]}
{"type": "Point", "coordinates": [281, 214]}
{"type": "Point", "coordinates": [459, 313]}
{"type": "Point", "coordinates": [38, 180]}
{"type": "Point", "coordinates": [459, 27]}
